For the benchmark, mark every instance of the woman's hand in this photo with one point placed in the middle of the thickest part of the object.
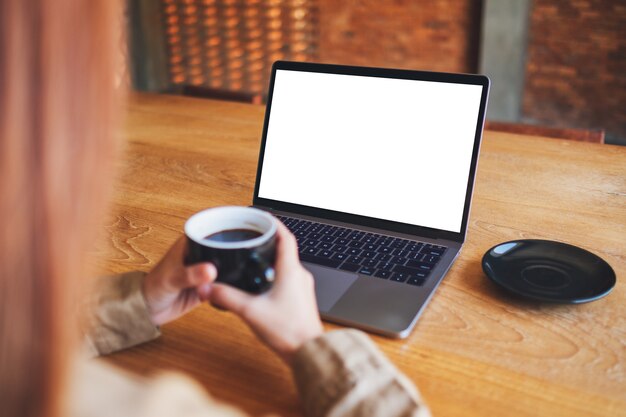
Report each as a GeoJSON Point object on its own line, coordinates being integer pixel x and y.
{"type": "Point", "coordinates": [171, 289]}
{"type": "Point", "coordinates": [284, 317]}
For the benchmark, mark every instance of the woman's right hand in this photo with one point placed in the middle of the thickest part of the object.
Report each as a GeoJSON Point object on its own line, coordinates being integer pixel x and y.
{"type": "Point", "coordinates": [284, 317]}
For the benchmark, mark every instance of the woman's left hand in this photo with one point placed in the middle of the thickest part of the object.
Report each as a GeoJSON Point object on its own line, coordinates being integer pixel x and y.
{"type": "Point", "coordinates": [171, 289]}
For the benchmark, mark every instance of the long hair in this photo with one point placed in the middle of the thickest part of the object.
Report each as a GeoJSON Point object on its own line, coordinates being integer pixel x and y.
{"type": "Point", "coordinates": [57, 145]}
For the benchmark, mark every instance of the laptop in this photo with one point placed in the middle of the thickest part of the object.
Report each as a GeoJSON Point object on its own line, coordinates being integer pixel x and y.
{"type": "Point", "coordinates": [372, 169]}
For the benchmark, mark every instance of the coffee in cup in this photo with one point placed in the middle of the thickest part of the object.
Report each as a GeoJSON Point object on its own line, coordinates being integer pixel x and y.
{"type": "Point", "coordinates": [239, 241]}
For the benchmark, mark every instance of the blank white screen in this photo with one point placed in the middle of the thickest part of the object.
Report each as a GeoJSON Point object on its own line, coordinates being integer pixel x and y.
{"type": "Point", "coordinates": [391, 149]}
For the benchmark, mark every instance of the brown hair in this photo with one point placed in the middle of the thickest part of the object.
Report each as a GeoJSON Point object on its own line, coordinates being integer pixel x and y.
{"type": "Point", "coordinates": [57, 102]}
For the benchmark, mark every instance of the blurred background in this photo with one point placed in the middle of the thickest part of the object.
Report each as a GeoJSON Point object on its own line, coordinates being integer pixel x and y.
{"type": "Point", "coordinates": [557, 66]}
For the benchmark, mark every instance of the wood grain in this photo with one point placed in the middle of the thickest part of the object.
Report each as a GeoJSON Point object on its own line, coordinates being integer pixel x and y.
{"type": "Point", "coordinates": [476, 351]}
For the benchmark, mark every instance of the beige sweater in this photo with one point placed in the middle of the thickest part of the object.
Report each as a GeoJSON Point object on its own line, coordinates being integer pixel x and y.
{"type": "Point", "coordinates": [341, 373]}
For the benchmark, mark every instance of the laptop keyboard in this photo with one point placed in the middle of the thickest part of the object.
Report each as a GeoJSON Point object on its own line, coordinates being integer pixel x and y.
{"type": "Point", "coordinates": [376, 255]}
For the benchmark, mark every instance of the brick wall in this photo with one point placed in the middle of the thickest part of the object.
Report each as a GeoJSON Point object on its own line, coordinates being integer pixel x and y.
{"type": "Point", "coordinates": [440, 35]}
{"type": "Point", "coordinates": [576, 67]}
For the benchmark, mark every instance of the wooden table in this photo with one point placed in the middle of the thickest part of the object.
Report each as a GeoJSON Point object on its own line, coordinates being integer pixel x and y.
{"type": "Point", "coordinates": [475, 352]}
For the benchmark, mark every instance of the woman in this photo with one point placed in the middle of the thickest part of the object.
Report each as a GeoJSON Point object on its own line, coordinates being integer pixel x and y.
{"type": "Point", "coordinates": [58, 107]}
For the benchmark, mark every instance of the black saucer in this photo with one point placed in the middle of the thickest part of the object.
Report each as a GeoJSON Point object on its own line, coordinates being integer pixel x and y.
{"type": "Point", "coordinates": [549, 271]}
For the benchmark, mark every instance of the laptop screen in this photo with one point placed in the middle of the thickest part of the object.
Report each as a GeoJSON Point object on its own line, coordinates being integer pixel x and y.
{"type": "Point", "coordinates": [386, 148]}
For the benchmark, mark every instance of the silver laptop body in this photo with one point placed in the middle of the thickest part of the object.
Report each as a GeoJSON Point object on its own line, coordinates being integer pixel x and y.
{"type": "Point", "coordinates": [389, 153]}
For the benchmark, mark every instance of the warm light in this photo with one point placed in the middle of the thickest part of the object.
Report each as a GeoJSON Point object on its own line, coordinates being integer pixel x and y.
{"type": "Point", "coordinates": [256, 75]}
{"type": "Point", "coordinates": [299, 14]}
{"type": "Point", "coordinates": [254, 45]}
{"type": "Point", "coordinates": [251, 12]}
{"type": "Point", "coordinates": [212, 53]}
{"type": "Point", "coordinates": [235, 75]}
{"type": "Point", "coordinates": [232, 22]}
{"type": "Point", "coordinates": [233, 44]}
{"type": "Point", "coordinates": [273, 13]}
{"type": "Point", "coordinates": [274, 24]}
{"type": "Point", "coordinates": [197, 80]}
{"type": "Point", "coordinates": [274, 35]}
{"type": "Point", "coordinates": [232, 65]}
{"type": "Point", "coordinates": [235, 53]}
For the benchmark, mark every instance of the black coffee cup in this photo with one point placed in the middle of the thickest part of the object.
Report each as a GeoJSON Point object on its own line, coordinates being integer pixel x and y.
{"type": "Point", "coordinates": [239, 241]}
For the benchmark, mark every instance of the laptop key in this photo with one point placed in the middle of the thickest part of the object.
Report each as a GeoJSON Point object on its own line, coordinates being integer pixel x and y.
{"type": "Point", "coordinates": [356, 259]}
{"type": "Point", "coordinates": [398, 260]}
{"type": "Point", "coordinates": [414, 247]}
{"type": "Point", "coordinates": [399, 244]}
{"type": "Point", "coordinates": [304, 227]}
{"type": "Point", "coordinates": [340, 249]}
{"type": "Point", "coordinates": [369, 262]}
{"type": "Point", "coordinates": [433, 259]}
{"type": "Point", "coordinates": [436, 252]}
{"type": "Point", "coordinates": [340, 256]}
{"type": "Point", "coordinates": [309, 250]}
{"type": "Point", "coordinates": [385, 266]}
{"type": "Point", "coordinates": [406, 270]}
{"type": "Point", "coordinates": [409, 254]}
{"type": "Point", "coordinates": [347, 266]}
{"type": "Point", "coordinates": [369, 254]}
{"type": "Point", "coordinates": [332, 263]}
{"type": "Point", "coordinates": [424, 266]}
{"type": "Point", "coordinates": [417, 280]}
{"type": "Point", "coordinates": [370, 239]}
{"type": "Point", "coordinates": [383, 257]}
{"type": "Point", "coordinates": [400, 276]}
{"type": "Point", "coordinates": [416, 256]}
{"type": "Point", "coordinates": [325, 253]}
{"type": "Point", "coordinates": [366, 270]}
{"type": "Point", "coordinates": [382, 274]}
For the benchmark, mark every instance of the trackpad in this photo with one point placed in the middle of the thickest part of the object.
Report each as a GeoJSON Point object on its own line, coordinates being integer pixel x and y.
{"type": "Point", "coordinates": [330, 284]}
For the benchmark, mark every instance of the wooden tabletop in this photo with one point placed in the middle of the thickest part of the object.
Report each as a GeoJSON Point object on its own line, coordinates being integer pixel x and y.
{"type": "Point", "coordinates": [476, 351]}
